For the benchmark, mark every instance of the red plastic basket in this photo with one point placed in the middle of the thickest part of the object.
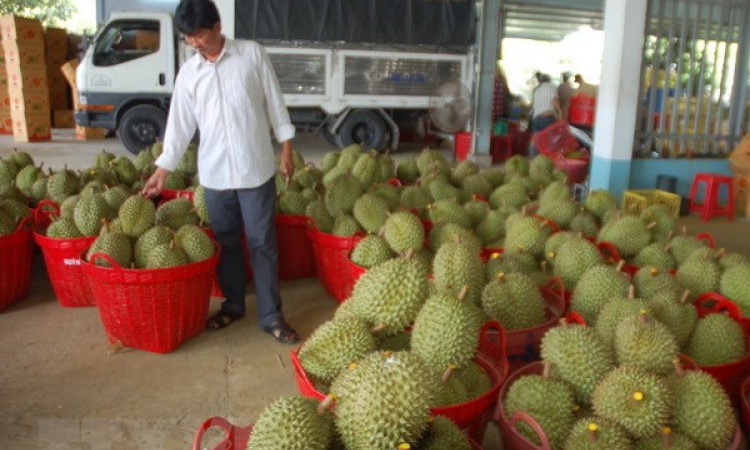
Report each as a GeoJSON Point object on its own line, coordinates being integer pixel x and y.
{"type": "Point", "coordinates": [471, 416]}
{"type": "Point", "coordinates": [575, 169]}
{"type": "Point", "coordinates": [582, 110]}
{"type": "Point", "coordinates": [733, 374]}
{"type": "Point", "coordinates": [171, 194]}
{"type": "Point", "coordinates": [355, 269]}
{"type": "Point", "coordinates": [555, 139]}
{"type": "Point", "coordinates": [16, 259]}
{"type": "Point", "coordinates": [523, 344]}
{"type": "Point", "coordinates": [296, 256]}
{"type": "Point", "coordinates": [238, 437]}
{"type": "Point", "coordinates": [331, 256]}
{"type": "Point", "coordinates": [745, 398]}
{"type": "Point", "coordinates": [151, 309]}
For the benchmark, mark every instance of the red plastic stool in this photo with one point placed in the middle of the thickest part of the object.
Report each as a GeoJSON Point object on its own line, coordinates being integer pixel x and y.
{"type": "Point", "coordinates": [710, 206]}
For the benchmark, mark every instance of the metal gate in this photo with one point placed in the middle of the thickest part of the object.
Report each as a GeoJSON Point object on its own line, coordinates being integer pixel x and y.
{"type": "Point", "coordinates": [694, 78]}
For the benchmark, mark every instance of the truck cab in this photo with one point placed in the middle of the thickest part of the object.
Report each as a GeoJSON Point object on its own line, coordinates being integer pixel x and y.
{"type": "Point", "coordinates": [127, 75]}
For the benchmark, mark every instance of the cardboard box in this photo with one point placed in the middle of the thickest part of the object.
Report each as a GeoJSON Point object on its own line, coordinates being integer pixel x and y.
{"type": "Point", "coordinates": [21, 28]}
{"type": "Point", "coordinates": [74, 42]}
{"type": "Point", "coordinates": [147, 40]}
{"type": "Point", "coordinates": [19, 55]}
{"type": "Point", "coordinates": [63, 118]}
{"type": "Point", "coordinates": [56, 44]}
{"type": "Point", "coordinates": [90, 132]}
{"type": "Point", "coordinates": [739, 159]}
{"type": "Point", "coordinates": [6, 121]}
{"type": "Point", "coordinates": [33, 102]}
{"type": "Point", "coordinates": [27, 80]}
{"type": "Point", "coordinates": [31, 127]}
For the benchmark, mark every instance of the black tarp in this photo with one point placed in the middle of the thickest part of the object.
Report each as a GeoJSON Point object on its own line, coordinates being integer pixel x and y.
{"type": "Point", "coordinates": [424, 22]}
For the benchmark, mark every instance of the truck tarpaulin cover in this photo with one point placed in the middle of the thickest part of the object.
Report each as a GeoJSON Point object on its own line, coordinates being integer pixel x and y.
{"type": "Point", "coordinates": [430, 22]}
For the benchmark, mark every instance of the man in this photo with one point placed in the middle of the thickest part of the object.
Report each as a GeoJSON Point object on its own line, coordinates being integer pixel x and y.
{"type": "Point", "coordinates": [564, 92]}
{"type": "Point", "coordinates": [229, 91]}
{"type": "Point", "coordinates": [545, 104]}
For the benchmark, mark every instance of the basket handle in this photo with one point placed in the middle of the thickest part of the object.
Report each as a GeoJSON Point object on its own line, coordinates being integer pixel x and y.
{"type": "Point", "coordinates": [574, 317]}
{"type": "Point", "coordinates": [555, 286]}
{"type": "Point", "coordinates": [40, 213]}
{"type": "Point", "coordinates": [297, 365]}
{"type": "Point", "coordinates": [521, 416]}
{"type": "Point", "coordinates": [237, 437]}
{"type": "Point", "coordinates": [708, 237]}
{"type": "Point", "coordinates": [26, 223]}
{"type": "Point", "coordinates": [492, 338]}
{"type": "Point", "coordinates": [712, 302]}
{"type": "Point", "coordinates": [394, 182]}
{"type": "Point", "coordinates": [549, 222]}
{"type": "Point", "coordinates": [608, 249]}
{"type": "Point", "coordinates": [106, 257]}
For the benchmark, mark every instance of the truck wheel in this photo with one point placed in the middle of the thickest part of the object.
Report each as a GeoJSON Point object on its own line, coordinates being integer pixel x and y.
{"type": "Point", "coordinates": [362, 127]}
{"type": "Point", "coordinates": [141, 125]}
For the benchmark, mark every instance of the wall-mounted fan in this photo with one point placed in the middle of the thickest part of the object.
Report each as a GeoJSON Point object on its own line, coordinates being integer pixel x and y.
{"type": "Point", "coordinates": [451, 106]}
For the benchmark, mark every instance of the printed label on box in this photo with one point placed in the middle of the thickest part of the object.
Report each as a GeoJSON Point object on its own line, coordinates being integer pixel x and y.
{"type": "Point", "coordinates": [21, 55]}
{"type": "Point", "coordinates": [12, 27]}
{"type": "Point", "coordinates": [31, 127]}
{"type": "Point", "coordinates": [27, 80]}
{"type": "Point", "coordinates": [63, 118]}
{"type": "Point", "coordinates": [36, 102]}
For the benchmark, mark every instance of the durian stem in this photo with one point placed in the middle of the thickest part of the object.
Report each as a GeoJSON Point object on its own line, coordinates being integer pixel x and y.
{"type": "Point", "coordinates": [378, 328]}
{"type": "Point", "coordinates": [448, 372]}
{"type": "Point", "coordinates": [547, 370]}
{"type": "Point", "coordinates": [326, 404]}
{"type": "Point", "coordinates": [684, 231]}
{"type": "Point", "coordinates": [620, 265]}
{"type": "Point", "coordinates": [651, 225]}
{"type": "Point", "coordinates": [670, 234]}
{"type": "Point", "coordinates": [592, 436]}
{"type": "Point", "coordinates": [667, 439]}
{"type": "Point", "coordinates": [678, 367]}
{"type": "Point", "coordinates": [410, 253]}
{"type": "Point", "coordinates": [631, 291]}
{"type": "Point", "coordinates": [719, 253]}
{"type": "Point", "coordinates": [685, 296]}
{"type": "Point", "coordinates": [462, 293]}
{"type": "Point", "coordinates": [643, 317]}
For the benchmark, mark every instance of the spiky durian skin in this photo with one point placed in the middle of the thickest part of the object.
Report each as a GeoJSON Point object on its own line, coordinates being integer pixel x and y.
{"type": "Point", "coordinates": [391, 294]}
{"type": "Point", "coordinates": [656, 255]}
{"type": "Point", "coordinates": [292, 423]}
{"type": "Point", "coordinates": [677, 441]}
{"type": "Point", "coordinates": [384, 401]}
{"type": "Point", "coordinates": [451, 392]}
{"type": "Point", "coordinates": [734, 285]}
{"type": "Point", "coordinates": [608, 436]}
{"type": "Point", "coordinates": [578, 357]}
{"type": "Point", "coordinates": [596, 287]}
{"type": "Point", "coordinates": [612, 314]}
{"type": "Point", "coordinates": [574, 258]}
{"type": "Point", "coordinates": [649, 280]}
{"type": "Point", "coordinates": [475, 378]}
{"type": "Point", "coordinates": [334, 345]}
{"type": "Point", "coordinates": [446, 331]}
{"type": "Point", "coordinates": [444, 434]}
{"type": "Point", "coordinates": [515, 301]}
{"type": "Point", "coordinates": [717, 339]}
{"type": "Point", "coordinates": [551, 402]}
{"type": "Point", "coordinates": [457, 265]}
{"type": "Point", "coordinates": [702, 411]}
{"type": "Point", "coordinates": [371, 251]}
{"type": "Point", "coordinates": [637, 400]}
{"type": "Point", "coordinates": [699, 273]}
{"type": "Point", "coordinates": [645, 343]}
{"type": "Point", "coordinates": [403, 231]}
{"type": "Point", "coordinates": [678, 317]}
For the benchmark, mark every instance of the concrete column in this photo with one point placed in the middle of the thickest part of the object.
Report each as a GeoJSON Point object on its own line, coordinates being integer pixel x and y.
{"type": "Point", "coordinates": [489, 32]}
{"type": "Point", "coordinates": [617, 104]}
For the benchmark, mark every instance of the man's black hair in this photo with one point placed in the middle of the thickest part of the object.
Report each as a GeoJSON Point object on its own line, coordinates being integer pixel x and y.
{"type": "Point", "coordinates": [193, 15]}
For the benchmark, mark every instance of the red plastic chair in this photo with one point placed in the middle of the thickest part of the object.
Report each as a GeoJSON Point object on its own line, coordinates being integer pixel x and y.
{"type": "Point", "coordinates": [710, 206]}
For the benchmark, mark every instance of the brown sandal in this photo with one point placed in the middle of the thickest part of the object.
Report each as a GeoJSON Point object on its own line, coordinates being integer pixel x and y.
{"type": "Point", "coordinates": [282, 332]}
{"type": "Point", "coordinates": [220, 320]}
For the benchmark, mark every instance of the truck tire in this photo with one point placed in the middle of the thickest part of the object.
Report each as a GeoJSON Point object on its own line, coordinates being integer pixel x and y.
{"type": "Point", "coordinates": [362, 127]}
{"type": "Point", "coordinates": [141, 125]}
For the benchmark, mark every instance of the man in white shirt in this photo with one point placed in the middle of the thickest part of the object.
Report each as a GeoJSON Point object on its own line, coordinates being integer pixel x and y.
{"type": "Point", "coordinates": [229, 91]}
{"type": "Point", "coordinates": [545, 107]}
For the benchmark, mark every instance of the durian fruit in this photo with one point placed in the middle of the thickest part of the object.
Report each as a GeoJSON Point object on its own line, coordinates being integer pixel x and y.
{"type": "Point", "coordinates": [175, 213]}
{"type": "Point", "coordinates": [729, 259]}
{"type": "Point", "coordinates": [676, 313]}
{"type": "Point", "coordinates": [448, 211]}
{"type": "Point", "coordinates": [195, 243]}
{"type": "Point", "coordinates": [317, 211]}
{"type": "Point", "coordinates": [407, 171]}
{"type": "Point", "coordinates": [116, 245]}
{"type": "Point", "coordinates": [664, 220]}
{"type": "Point", "coordinates": [292, 422]}
{"type": "Point", "coordinates": [635, 399]}
{"type": "Point", "coordinates": [477, 211]}
{"type": "Point", "coordinates": [334, 345]}
{"type": "Point", "coordinates": [62, 185]}
{"type": "Point", "coordinates": [517, 165]}
{"type": "Point", "coordinates": [457, 265]}
{"type": "Point", "coordinates": [384, 401]}
{"type": "Point", "coordinates": [201, 208]}
{"type": "Point", "coordinates": [599, 202]}
{"type": "Point", "coordinates": [643, 342]}
{"type": "Point", "coordinates": [717, 339]}
{"type": "Point", "coordinates": [553, 244]}
{"type": "Point", "coordinates": [8, 171]}
{"type": "Point", "coordinates": [683, 245]}
{"type": "Point", "coordinates": [578, 357]}
{"type": "Point", "coordinates": [561, 212]}
{"type": "Point", "coordinates": [345, 225]}
{"type": "Point", "coordinates": [27, 176]}
{"type": "Point", "coordinates": [367, 168]}
{"type": "Point", "coordinates": [155, 236]}
{"type": "Point", "coordinates": [63, 228]}
{"type": "Point", "coordinates": [166, 255]}
{"type": "Point", "coordinates": [371, 251]}
{"type": "Point", "coordinates": [701, 410]}
{"type": "Point", "coordinates": [342, 192]}
{"type": "Point", "coordinates": [308, 176]}
{"type": "Point", "coordinates": [390, 294]}
{"type": "Point", "coordinates": [596, 287]}
{"type": "Point", "coordinates": [514, 300]}
{"type": "Point", "coordinates": [593, 433]}
{"type": "Point", "coordinates": [656, 255]}
{"type": "Point", "coordinates": [442, 189]}
{"type": "Point", "coordinates": [734, 285]}
{"type": "Point", "coordinates": [371, 212]}
{"type": "Point", "coordinates": [613, 313]}
{"type": "Point", "coordinates": [89, 212]}
{"type": "Point", "coordinates": [330, 160]}
{"type": "Point", "coordinates": [627, 233]}
{"type": "Point", "coordinates": [403, 231]}
{"type": "Point", "coordinates": [649, 280]}
{"type": "Point", "coordinates": [452, 232]}
{"type": "Point", "coordinates": [549, 401]}
{"type": "Point", "coordinates": [492, 227]}
{"type": "Point", "coordinates": [416, 197]}
{"type": "Point", "coordinates": [395, 343]}
{"type": "Point", "coordinates": [126, 172]}
{"type": "Point", "coordinates": [700, 272]}
{"type": "Point", "coordinates": [509, 195]}
{"type": "Point", "coordinates": [116, 196]}
{"type": "Point", "coordinates": [474, 377]}
{"type": "Point", "coordinates": [585, 223]}
{"type": "Point", "coordinates": [527, 234]}
{"type": "Point", "coordinates": [574, 257]}
{"type": "Point", "coordinates": [68, 206]}
{"type": "Point", "coordinates": [137, 215]}
{"type": "Point", "coordinates": [667, 440]}
{"type": "Point", "coordinates": [291, 201]}
{"type": "Point", "coordinates": [430, 159]}
{"type": "Point", "coordinates": [444, 434]}
{"type": "Point", "coordinates": [446, 331]}
{"type": "Point", "coordinates": [476, 184]}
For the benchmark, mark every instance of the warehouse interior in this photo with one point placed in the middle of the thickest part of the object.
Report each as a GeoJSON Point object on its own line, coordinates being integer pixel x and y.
{"type": "Point", "coordinates": [64, 385]}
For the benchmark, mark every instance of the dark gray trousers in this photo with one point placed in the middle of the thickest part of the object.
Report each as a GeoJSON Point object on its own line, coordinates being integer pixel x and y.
{"type": "Point", "coordinates": [252, 210]}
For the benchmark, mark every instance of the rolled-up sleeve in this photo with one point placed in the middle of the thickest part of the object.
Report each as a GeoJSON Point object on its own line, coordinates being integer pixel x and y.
{"type": "Point", "coordinates": [181, 126]}
{"type": "Point", "coordinates": [277, 113]}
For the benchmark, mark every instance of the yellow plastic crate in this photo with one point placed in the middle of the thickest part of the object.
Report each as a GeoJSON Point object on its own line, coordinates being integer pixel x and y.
{"type": "Point", "coordinates": [634, 201]}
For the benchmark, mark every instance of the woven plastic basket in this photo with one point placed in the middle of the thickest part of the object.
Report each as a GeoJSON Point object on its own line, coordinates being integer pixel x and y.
{"type": "Point", "coordinates": [62, 259]}
{"type": "Point", "coordinates": [16, 259]}
{"type": "Point", "coordinates": [745, 398]}
{"type": "Point", "coordinates": [170, 194]}
{"type": "Point", "coordinates": [296, 255]}
{"type": "Point", "coordinates": [471, 416]}
{"type": "Point", "coordinates": [151, 309]}
{"type": "Point", "coordinates": [331, 260]}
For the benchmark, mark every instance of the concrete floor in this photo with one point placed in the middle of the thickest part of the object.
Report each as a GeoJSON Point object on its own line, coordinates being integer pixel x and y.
{"type": "Point", "coordinates": [61, 387]}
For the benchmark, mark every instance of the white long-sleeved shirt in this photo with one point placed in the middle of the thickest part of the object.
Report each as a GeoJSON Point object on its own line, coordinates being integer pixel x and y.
{"type": "Point", "coordinates": [543, 98]}
{"type": "Point", "coordinates": [232, 102]}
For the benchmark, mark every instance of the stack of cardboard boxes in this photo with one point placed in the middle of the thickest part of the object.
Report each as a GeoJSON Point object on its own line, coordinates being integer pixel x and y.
{"type": "Point", "coordinates": [23, 46]}
{"type": "Point", "coordinates": [6, 123]}
{"type": "Point", "coordinates": [69, 71]}
{"type": "Point", "coordinates": [56, 47]}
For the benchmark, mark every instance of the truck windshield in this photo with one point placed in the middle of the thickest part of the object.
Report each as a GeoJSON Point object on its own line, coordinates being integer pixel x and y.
{"type": "Point", "coordinates": [127, 40]}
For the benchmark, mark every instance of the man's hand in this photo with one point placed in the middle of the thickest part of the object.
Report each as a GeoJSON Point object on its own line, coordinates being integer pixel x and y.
{"type": "Point", "coordinates": [286, 163]}
{"type": "Point", "coordinates": [155, 184]}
